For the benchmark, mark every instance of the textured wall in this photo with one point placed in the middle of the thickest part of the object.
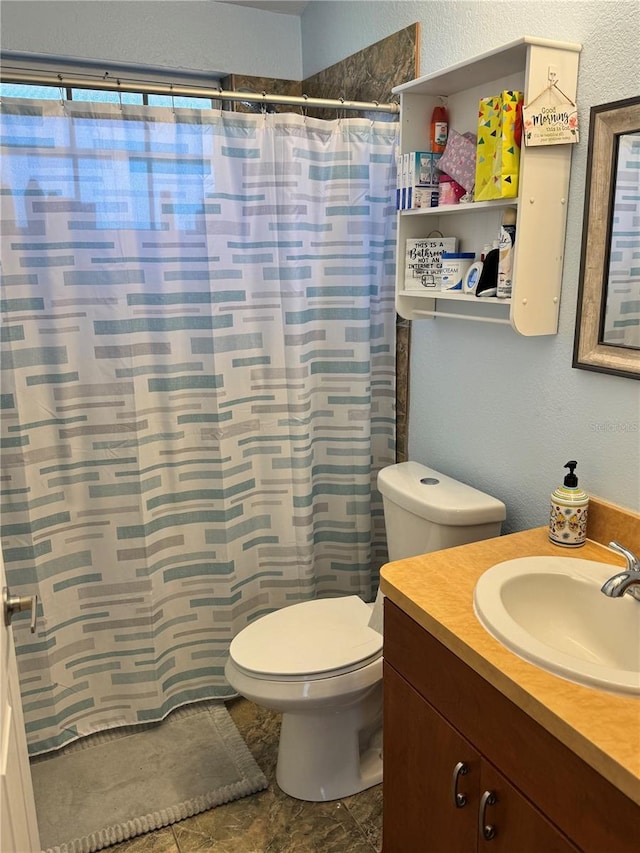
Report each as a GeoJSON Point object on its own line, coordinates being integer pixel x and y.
{"type": "Point", "coordinates": [194, 36]}
{"type": "Point", "coordinates": [491, 408]}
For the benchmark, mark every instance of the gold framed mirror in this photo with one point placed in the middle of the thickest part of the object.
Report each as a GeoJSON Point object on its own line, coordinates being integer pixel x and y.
{"type": "Point", "coordinates": [607, 337]}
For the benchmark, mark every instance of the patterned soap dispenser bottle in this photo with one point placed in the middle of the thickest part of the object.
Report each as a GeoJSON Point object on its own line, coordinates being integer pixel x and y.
{"type": "Point", "coordinates": [569, 507]}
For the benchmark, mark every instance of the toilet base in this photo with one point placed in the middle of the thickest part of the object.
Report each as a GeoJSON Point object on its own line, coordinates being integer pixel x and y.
{"type": "Point", "coordinates": [331, 733]}
{"type": "Point", "coordinates": [328, 756]}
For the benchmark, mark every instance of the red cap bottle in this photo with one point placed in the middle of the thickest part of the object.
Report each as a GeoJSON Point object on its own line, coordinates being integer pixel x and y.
{"type": "Point", "coordinates": [439, 128]}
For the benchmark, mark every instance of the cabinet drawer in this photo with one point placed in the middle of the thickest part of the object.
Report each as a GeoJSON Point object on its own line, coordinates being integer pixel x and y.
{"type": "Point", "coordinates": [584, 805]}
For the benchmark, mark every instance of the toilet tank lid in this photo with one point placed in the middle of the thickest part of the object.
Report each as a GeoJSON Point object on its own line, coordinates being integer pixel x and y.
{"type": "Point", "coordinates": [445, 501]}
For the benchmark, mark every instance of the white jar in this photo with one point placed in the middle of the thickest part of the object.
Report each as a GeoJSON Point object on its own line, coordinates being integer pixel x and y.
{"type": "Point", "coordinates": [454, 269]}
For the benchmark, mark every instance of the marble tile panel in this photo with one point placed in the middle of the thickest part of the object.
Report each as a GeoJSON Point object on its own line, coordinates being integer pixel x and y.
{"type": "Point", "coordinates": [317, 828]}
{"type": "Point", "coordinates": [403, 364]}
{"type": "Point", "coordinates": [272, 821]}
{"type": "Point", "coordinates": [257, 85]}
{"type": "Point", "coordinates": [260, 730]}
{"type": "Point", "coordinates": [368, 75]}
{"type": "Point", "coordinates": [161, 841]}
{"type": "Point", "coordinates": [366, 809]}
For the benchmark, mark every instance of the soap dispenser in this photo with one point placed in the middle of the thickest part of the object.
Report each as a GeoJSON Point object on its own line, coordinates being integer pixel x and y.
{"type": "Point", "coordinates": [569, 507]}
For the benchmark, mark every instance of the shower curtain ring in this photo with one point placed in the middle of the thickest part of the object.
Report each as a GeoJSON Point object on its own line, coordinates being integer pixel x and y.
{"type": "Point", "coordinates": [304, 108]}
{"type": "Point", "coordinates": [61, 87]}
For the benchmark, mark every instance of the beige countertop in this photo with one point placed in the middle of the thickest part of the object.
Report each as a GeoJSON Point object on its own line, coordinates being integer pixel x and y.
{"type": "Point", "coordinates": [436, 590]}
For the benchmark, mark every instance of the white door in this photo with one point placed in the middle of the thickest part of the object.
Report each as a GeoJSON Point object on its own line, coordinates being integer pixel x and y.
{"type": "Point", "coordinates": [18, 824]}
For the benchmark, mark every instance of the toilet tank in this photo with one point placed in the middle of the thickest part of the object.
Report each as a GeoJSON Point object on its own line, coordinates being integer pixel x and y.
{"type": "Point", "coordinates": [426, 511]}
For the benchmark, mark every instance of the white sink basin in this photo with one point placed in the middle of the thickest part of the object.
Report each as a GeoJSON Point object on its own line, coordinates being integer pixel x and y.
{"type": "Point", "coordinates": [550, 611]}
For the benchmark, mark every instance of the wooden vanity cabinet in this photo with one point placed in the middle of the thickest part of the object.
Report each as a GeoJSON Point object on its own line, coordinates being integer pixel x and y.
{"type": "Point", "coordinates": [420, 754]}
{"type": "Point", "coordinates": [439, 712]}
{"type": "Point", "coordinates": [420, 811]}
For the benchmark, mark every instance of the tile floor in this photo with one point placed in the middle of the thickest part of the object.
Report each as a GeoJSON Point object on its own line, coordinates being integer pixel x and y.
{"type": "Point", "coordinates": [270, 821]}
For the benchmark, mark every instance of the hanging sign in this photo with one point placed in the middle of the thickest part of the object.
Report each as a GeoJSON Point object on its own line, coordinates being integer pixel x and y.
{"type": "Point", "coordinates": [550, 119]}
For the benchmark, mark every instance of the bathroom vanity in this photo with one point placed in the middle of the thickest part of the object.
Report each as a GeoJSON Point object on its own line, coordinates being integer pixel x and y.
{"type": "Point", "coordinates": [482, 750]}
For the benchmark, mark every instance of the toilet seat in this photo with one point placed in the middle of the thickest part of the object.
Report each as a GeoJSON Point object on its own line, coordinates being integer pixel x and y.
{"type": "Point", "coordinates": [312, 639]}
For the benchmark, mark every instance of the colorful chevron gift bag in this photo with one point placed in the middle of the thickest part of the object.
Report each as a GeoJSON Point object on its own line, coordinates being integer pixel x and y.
{"type": "Point", "coordinates": [498, 147]}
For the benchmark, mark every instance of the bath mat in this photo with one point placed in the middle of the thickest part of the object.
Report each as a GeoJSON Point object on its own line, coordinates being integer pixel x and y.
{"type": "Point", "coordinates": [115, 785]}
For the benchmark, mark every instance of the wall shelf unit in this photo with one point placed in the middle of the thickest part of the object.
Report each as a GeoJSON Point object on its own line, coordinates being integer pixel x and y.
{"type": "Point", "coordinates": [525, 65]}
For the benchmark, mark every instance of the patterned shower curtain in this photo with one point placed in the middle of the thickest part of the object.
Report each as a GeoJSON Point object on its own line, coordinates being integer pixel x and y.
{"type": "Point", "coordinates": [198, 385]}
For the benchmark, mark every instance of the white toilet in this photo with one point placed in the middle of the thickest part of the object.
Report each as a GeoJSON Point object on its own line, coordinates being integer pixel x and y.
{"type": "Point", "coordinates": [319, 662]}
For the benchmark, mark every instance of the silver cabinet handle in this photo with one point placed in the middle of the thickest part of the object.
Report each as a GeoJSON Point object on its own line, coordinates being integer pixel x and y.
{"type": "Point", "coordinates": [16, 603]}
{"type": "Point", "coordinates": [459, 800]}
{"type": "Point", "coordinates": [487, 830]}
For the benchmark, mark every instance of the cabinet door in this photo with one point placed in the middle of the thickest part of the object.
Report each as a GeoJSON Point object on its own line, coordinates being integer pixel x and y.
{"type": "Point", "coordinates": [421, 751]}
{"type": "Point", "coordinates": [511, 822]}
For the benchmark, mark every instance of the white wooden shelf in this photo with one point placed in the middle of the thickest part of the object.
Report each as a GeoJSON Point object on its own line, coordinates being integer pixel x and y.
{"type": "Point", "coordinates": [465, 207]}
{"type": "Point", "coordinates": [524, 65]}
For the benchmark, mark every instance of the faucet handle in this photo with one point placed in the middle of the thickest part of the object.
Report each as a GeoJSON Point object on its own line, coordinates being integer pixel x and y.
{"type": "Point", "coordinates": [633, 563]}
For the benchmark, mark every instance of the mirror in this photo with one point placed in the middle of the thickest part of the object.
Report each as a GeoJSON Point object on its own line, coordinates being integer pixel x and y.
{"type": "Point", "coordinates": [607, 335]}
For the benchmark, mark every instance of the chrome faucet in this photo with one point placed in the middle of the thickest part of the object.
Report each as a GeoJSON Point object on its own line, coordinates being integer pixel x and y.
{"type": "Point", "coordinates": [626, 581]}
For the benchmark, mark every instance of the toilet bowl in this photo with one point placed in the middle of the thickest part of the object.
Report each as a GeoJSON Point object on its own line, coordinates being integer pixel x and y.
{"type": "Point", "coordinates": [319, 663]}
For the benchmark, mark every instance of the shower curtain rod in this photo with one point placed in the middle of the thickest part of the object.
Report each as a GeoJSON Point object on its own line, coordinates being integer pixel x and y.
{"type": "Point", "coordinates": [117, 84]}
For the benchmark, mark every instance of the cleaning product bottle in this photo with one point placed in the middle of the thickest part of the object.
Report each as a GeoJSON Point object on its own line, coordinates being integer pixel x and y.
{"type": "Point", "coordinates": [505, 259]}
{"type": "Point", "coordinates": [569, 508]}
{"type": "Point", "coordinates": [439, 127]}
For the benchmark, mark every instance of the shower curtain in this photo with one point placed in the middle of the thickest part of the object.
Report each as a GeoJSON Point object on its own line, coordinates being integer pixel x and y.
{"type": "Point", "coordinates": [198, 385]}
